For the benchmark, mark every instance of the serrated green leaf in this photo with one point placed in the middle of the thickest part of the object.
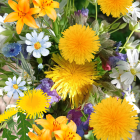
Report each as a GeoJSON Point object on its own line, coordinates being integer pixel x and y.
{"type": "Point", "coordinates": [11, 124]}
{"type": "Point", "coordinates": [23, 125]}
{"type": "Point", "coordinates": [13, 70]}
{"type": "Point", "coordinates": [8, 134]}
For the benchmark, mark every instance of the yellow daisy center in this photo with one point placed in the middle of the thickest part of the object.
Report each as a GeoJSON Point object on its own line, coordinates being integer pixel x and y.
{"type": "Point", "coordinates": [133, 71]}
{"type": "Point", "coordinates": [15, 86]}
{"type": "Point", "coordinates": [37, 45]}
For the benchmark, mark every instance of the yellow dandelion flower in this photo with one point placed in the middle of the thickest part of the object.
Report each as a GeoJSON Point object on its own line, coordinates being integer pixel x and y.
{"type": "Point", "coordinates": [8, 114]}
{"type": "Point", "coordinates": [33, 103]}
{"type": "Point", "coordinates": [113, 119]}
{"type": "Point", "coordinates": [115, 7]}
{"type": "Point", "coordinates": [78, 44]}
{"type": "Point", "coordinates": [73, 79]}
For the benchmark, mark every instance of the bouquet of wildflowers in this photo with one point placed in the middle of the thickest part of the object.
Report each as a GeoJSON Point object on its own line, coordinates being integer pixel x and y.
{"type": "Point", "coordinates": [65, 75]}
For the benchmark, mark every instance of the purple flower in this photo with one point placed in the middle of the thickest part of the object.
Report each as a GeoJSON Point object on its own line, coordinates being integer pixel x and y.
{"type": "Point", "coordinates": [88, 109]}
{"type": "Point", "coordinates": [75, 115]}
{"type": "Point", "coordinates": [85, 12]}
{"type": "Point", "coordinates": [114, 59]}
{"type": "Point", "coordinates": [77, 13]}
{"type": "Point", "coordinates": [117, 45]}
{"type": "Point", "coordinates": [46, 85]}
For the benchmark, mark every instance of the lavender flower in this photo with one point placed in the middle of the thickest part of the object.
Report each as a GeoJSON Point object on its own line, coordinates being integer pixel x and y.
{"type": "Point", "coordinates": [81, 16]}
{"type": "Point", "coordinates": [84, 12]}
{"type": "Point", "coordinates": [117, 45]}
{"type": "Point", "coordinates": [114, 59]}
{"type": "Point", "coordinates": [46, 85]}
{"type": "Point", "coordinates": [88, 109]}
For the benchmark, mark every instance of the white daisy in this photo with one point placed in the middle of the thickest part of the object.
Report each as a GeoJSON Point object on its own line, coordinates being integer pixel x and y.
{"type": "Point", "coordinates": [37, 44]}
{"type": "Point", "coordinates": [131, 68]}
{"type": "Point", "coordinates": [131, 44]}
{"type": "Point", "coordinates": [134, 10]}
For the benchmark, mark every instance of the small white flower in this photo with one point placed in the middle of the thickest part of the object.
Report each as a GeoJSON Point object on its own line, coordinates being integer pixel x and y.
{"type": "Point", "coordinates": [131, 68]}
{"type": "Point", "coordinates": [37, 44]}
{"type": "Point", "coordinates": [134, 10]}
{"type": "Point", "coordinates": [117, 74]}
{"type": "Point", "coordinates": [131, 44]}
{"type": "Point", "coordinates": [40, 66]}
{"type": "Point", "coordinates": [131, 99]}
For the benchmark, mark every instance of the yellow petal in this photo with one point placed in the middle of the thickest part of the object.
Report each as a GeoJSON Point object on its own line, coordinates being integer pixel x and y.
{"type": "Point", "coordinates": [59, 134]}
{"type": "Point", "coordinates": [72, 126]}
{"type": "Point", "coordinates": [51, 13]}
{"type": "Point", "coordinates": [42, 13]}
{"type": "Point", "coordinates": [77, 137]}
{"type": "Point", "coordinates": [19, 25]}
{"type": "Point", "coordinates": [45, 124]}
{"type": "Point", "coordinates": [24, 5]}
{"type": "Point", "coordinates": [29, 20]}
{"type": "Point", "coordinates": [55, 4]}
{"type": "Point", "coordinates": [13, 5]}
{"type": "Point", "coordinates": [46, 134]}
{"type": "Point", "coordinates": [33, 136]}
{"type": "Point", "coordinates": [12, 17]}
{"type": "Point", "coordinates": [34, 11]}
{"type": "Point", "coordinates": [37, 2]}
{"type": "Point", "coordinates": [62, 119]}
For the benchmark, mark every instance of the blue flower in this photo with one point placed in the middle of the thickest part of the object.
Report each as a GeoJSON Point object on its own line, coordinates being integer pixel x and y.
{"type": "Point", "coordinates": [14, 87]}
{"type": "Point", "coordinates": [11, 50]}
{"type": "Point", "coordinates": [84, 12]}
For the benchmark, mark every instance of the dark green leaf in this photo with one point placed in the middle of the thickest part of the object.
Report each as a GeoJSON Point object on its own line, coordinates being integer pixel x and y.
{"type": "Point", "coordinates": [8, 134]}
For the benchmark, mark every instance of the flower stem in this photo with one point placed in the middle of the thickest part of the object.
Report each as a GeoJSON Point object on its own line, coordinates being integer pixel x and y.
{"type": "Point", "coordinates": [84, 114]}
{"type": "Point", "coordinates": [127, 41]}
{"type": "Point", "coordinates": [96, 10]}
{"type": "Point", "coordinates": [115, 21]}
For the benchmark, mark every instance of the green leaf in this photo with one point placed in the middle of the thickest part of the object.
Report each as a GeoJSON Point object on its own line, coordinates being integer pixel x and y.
{"type": "Point", "coordinates": [7, 134]}
{"type": "Point", "coordinates": [95, 26]}
{"type": "Point", "coordinates": [11, 124]}
{"type": "Point", "coordinates": [115, 25]}
{"type": "Point", "coordinates": [122, 25]}
{"type": "Point", "coordinates": [23, 125]}
{"type": "Point", "coordinates": [6, 32]}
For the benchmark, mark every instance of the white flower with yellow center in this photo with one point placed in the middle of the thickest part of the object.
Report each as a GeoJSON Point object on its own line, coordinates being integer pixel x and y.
{"type": "Point", "coordinates": [14, 87]}
{"type": "Point", "coordinates": [131, 68]}
{"type": "Point", "coordinates": [134, 10]}
{"type": "Point", "coordinates": [117, 81]}
{"type": "Point", "coordinates": [37, 44]}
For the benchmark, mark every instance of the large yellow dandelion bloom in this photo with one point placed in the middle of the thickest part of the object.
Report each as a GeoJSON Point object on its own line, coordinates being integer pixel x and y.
{"type": "Point", "coordinates": [34, 103]}
{"type": "Point", "coordinates": [113, 119]}
{"type": "Point", "coordinates": [78, 44]}
{"type": "Point", "coordinates": [71, 78]}
{"type": "Point", "coordinates": [115, 7]}
{"type": "Point", "coordinates": [8, 114]}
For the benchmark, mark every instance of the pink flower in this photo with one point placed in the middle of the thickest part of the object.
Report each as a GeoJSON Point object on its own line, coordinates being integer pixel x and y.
{"type": "Point", "coordinates": [106, 66]}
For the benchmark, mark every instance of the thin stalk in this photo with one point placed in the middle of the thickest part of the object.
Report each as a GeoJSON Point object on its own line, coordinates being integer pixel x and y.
{"type": "Point", "coordinates": [114, 31]}
{"type": "Point", "coordinates": [115, 21]}
{"type": "Point", "coordinates": [127, 41]}
{"type": "Point", "coordinates": [84, 114]}
{"type": "Point", "coordinates": [96, 11]}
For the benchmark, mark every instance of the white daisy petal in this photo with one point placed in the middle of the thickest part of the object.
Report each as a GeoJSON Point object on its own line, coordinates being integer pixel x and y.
{"type": "Point", "coordinates": [44, 52]}
{"type": "Point", "coordinates": [28, 42]}
{"type": "Point", "coordinates": [22, 84]}
{"type": "Point", "coordinates": [40, 36]}
{"type": "Point", "coordinates": [15, 95]}
{"type": "Point", "coordinates": [29, 37]}
{"type": "Point", "coordinates": [36, 54]}
{"type": "Point", "coordinates": [18, 80]}
{"type": "Point", "coordinates": [46, 38]}
{"type": "Point", "coordinates": [20, 93]}
{"type": "Point", "coordinates": [115, 81]}
{"type": "Point", "coordinates": [30, 49]}
{"type": "Point", "coordinates": [47, 44]}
